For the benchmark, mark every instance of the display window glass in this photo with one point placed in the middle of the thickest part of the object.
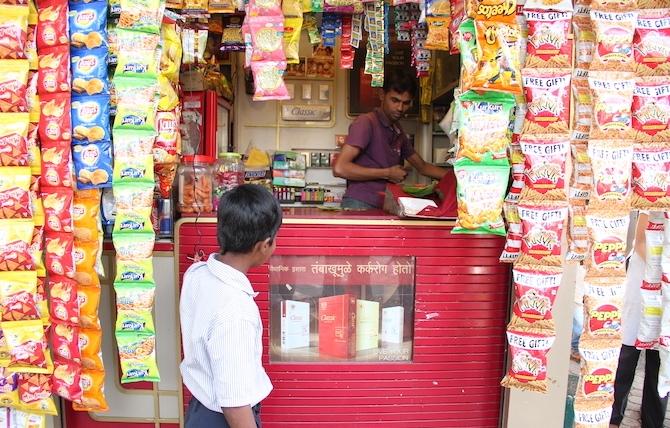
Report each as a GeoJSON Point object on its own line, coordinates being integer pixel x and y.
{"type": "Point", "coordinates": [341, 308]}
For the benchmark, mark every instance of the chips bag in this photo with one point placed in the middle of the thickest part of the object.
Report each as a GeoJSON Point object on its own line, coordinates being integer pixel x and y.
{"type": "Point", "coordinates": [18, 301]}
{"type": "Point", "coordinates": [65, 341]}
{"type": "Point", "coordinates": [498, 48]}
{"type": "Point", "coordinates": [13, 139]}
{"type": "Point", "coordinates": [600, 360]}
{"type": "Point", "coordinates": [651, 109]}
{"type": "Point", "coordinates": [612, 94]}
{"type": "Point", "coordinates": [9, 394]}
{"type": "Point", "coordinates": [649, 329]}
{"type": "Point", "coordinates": [652, 37]}
{"type": "Point", "coordinates": [548, 101]}
{"type": "Point", "coordinates": [93, 165]}
{"type": "Point", "coordinates": [90, 119]}
{"type": "Point", "coordinates": [171, 54]}
{"type": "Point", "coordinates": [545, 167]}
{"type": "Point", "coordinates": [549, 44]}
{"type": "Point", "coordinates": [13, 86]}
{"type": "Point", "coordinates": [467, 41]}
{"type": "Point", "coordinates": [86, 216]}
{"type": "Point", "coordinates": [141, 15]}
{"type": "Point", "coordinates": [490, 10]}
{"type": "Point", "coordinates": [167, 144]}
{"type": "Point", "coordinates": [133, 195]}
{"type": "Point", "coordinates": [581, 180]}
{"type": "Point", "coordinates": [137, 54]}
{"type": "Point", "coordinates": [134, 270]}
{"type": "Point", "coordinates": [292, 31]}
{"type": "Point", "coordinates": [93, 397]}
{"type": "Point", "coordinates": [269, 81]}
{"type": "Point", "coordinates": [480, 192]}
{"type": "Point", "coordinates": [438, 33]}
{"type": "Point", "coordinates": [614, 40]}
{"type": "Point", "coordinates": [139, 168]}
{"type": "Point", "coordinates": [651, 176]}
{"type": "Point", "coordinates": [15, 193]}
{"type": "Point", "coordinates": [134, 296]}
{"type": "Point", "coordinates": [542, 231]}
{"type": "Point", "coordinates": [585, 41]}
{"type": "Point", "coordinates": [578, 234]}
{"type": "Point", "coordinates": [133, 246]}
{"type": "Point", "coordinates": [535, 290]}
{"type": "Point", "coordinates": [138, 357]}
{"type": "Point", "coordinates": [54, 70]}
{"type": "Point", "coordinates": [88, 24]}
{"type": "Point", "coordinates": [528, 352]}
{"type": "Point", "coordinates": [56, 164]}
{"type": "Point", "coordinates": [55, 120]}
{"type": "Point", "coordinates": [15, 242]}
{"type": "Point", "coordinates": [13, 30]}
{"type": "Point", "coordinates": [89, 71]}
{"type": "Point", "coordinates": [52, 24]}
{"type": "Point", "coordinates": [66, 379]}
{"type": "Point", "coordinates": [483, 135]}
{"type": "Point", "coordinates": [90, 343]}
{"type": "Point", "coordinates": [63, 299]}
{"type": "Point", "coordinates": [58, 255]}
{"type": "Point", "coordinates": [611, 161]}
{"type": "Point", "coordinates": [608, 245]}
{"type": "Point", "coordinates": [137, 101]}
{"type": "Point", "coordinates": [89, 300]}
{"type": "Point", "coordinates": [57, 202]}
{"type": "Point", "coordinates": [34, 387]}
{"type": "Point", "coordinates": [27, 346]}
{"type": "Point", "coordinates": [603, 305]}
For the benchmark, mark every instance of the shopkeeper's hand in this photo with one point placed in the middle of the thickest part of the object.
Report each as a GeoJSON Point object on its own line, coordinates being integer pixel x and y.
{"type": "Point", "coordinates": [396, 174]}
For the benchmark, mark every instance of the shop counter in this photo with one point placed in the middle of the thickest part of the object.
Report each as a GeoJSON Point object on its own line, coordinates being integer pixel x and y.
{"type": "Point", "coordinates": [373, 320]}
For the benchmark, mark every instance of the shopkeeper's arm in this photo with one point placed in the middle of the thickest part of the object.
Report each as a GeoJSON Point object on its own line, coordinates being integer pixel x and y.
{"type": "Point", "coordinates": [346, 168]}
{"type": "Point", "coordinates": [425, 168]}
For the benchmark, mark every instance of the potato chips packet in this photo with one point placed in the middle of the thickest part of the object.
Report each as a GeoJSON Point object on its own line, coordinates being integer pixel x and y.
{"type": "Point", "coordinates": [467, 41]}
{"type": "Point", "coordinates": [134, 195]}
{"type": "Point", "coordinates": [93, 397]}
{"type": "Point", "coordinates": [138, 168]}
{"type": "Point", "coordinates": [134, 270]}
{"type": "Point", "coordinates": [66, 379]}
{"type": "Point", "coordinates": [89, 299]}
{"type": "Point", "coordinates": [9, 394]}
{"type": "Point", "coordinates": [138, 55]}
{"type": "Point", "coordinates": [90, 343]}
{"type": "Point", "coordinates": [90, 119]}
{"type": "Point", "coordinates": [88, 24]}
{"type": "Point", "coordinates": [52, 24]}
{"type": "Point", "coordinates": [14, 23]}
{"type": "Point", "coordinates": [603, 307]}
{"type": "Point", "coordinates": [612, 95]}
{"type": "Point", "coordinates": [528, 352]}
{"type": "Point", "coordinates": [93, 165]}
{"type": "Point", "coordinates": [133, 246]}
{"type": "Point", "coordinates": [57, 164]}
{"type": "Point", "coordinates": [167, 144]}
{"type": "Point", "coordinates": [578, 234]}
{"type": "Point", "coordinates": [134, 296]}
{"type": "Point", "coordinates": [63, 302]}
{"type": "Point", "coordinates": [138, 220]}
{"type": "Point", "coordinates": [55, 119]}
{"type": "Point", "coordinates": [34, 387]}
{"type": "Point", "coordinates": [89, 71]}
{"type": "Point", "coordinates": [65, 341]}
{"type": "Point", "coordinates": [58, 255]}
{"type": "Point", "coordinates": [54, 70]}
{"type": "Point", "coordinates": [13, 86]}
{"type": "Point", "coordinates": [649, 329]}
{"type": "Point", "coordinates": [57, 203]}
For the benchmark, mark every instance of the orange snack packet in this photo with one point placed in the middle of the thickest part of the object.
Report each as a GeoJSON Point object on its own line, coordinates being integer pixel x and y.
{"type": "Point", "coordinates": [93, 397]}
{"type": "Point", "coordinates": [499, 51]}
{"type": "Point", "coordinates": [89, 300]}
{"type": "Point", "coordinates": [90, 344]}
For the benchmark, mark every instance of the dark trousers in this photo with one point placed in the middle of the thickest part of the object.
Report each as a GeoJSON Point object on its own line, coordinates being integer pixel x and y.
{"type": "Point", "coordinates": [653, 407]}
{"type": "Point", "coordinates": [199, 416]}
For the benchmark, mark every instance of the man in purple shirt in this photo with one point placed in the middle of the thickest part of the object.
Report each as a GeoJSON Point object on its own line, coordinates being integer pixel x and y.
{"type": "Point", "coordinates": [377, 148]}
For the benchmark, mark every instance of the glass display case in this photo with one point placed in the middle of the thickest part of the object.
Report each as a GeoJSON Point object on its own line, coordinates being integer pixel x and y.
{"type": "Point", "coordinates": [341, 308]}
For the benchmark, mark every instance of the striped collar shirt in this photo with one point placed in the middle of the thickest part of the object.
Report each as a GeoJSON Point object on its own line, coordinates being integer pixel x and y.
{"type": "Point", "coordinates": [222, 333]}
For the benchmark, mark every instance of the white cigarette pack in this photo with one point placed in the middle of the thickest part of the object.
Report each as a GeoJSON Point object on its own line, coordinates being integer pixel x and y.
{"type": "Point", "coordinates": [393, 319]}
{"type": "Point", "coordinates": [294, 324]}
{"type": "Point", "coordinates": [367, 325]}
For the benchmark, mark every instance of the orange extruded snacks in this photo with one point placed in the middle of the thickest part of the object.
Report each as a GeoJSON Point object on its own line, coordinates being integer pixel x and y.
{"type": "Point", "coordinates": [603, 305]}
{"type": "Point", "coordinates": [651, 41]}
{"type": "Point", "coordinates": [93, 398]}
{"type": "Point", "coordinates": [607, 257]}
{"type": "Point", "coordinates": [15, 240]}
{"type": "Point", "coordinates": [600, 360]}
{"type": "Point", "coordinates": [535, 290]}
{"type": "Point", "coordinates": [58, 255]}
{"type": "Point", "coordinates": [614, 40]}
{"type": "Point", "coordinates": [13, 86]}
{"type": "Point", "coordinates": [27, 346]}
{"type": "Point", "coordinates": [651, 109]}
{"type": "Point", "coordinates": [18, 299]}
{"type": "Point", "coordinates": [549, 44]}
{"type": "Point", "coordinates": [492, 10]}
{"type": "Point", "coordinates": [438, 33]}
{"type": "Point", "coordinates": [651, 176]}
{"type": "Point", "coordinates": [499, 49]}
{"type": "Point", "coordinates": [66, 379]}
{"type": "Point", "coordinates": [542, 231]}
{"type": "Point", "coordinates": [14, 193]}
{"type": "Point", "coordinates": [548, 101]}
{"type": "Point", "coordinates": [545, 159]}
{"type": "Point", "coordinates": [611, 162]}
{"type": "Point", "coordinates": [528, 351]}
{"type": "Point", "coordinates": [57, 202]}
{"type": "Point", "coordinates": [14, 139]}
{"type": "Point", "coordinates": [64, 302]}
{"type": "Point", "coordinates": [612, 95]}
{"type": "Point", "coordinates": [89, 300]}
{"type": "Point", "coordinates": [90, 344]}
{"type": "Point", "coordinates": [65, 341]}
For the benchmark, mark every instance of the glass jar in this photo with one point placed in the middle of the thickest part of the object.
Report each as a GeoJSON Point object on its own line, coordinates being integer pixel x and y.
{"type": "Point", "coordinates": [228, 174]}
{"type": "Point", "coordinates": [195, 184]}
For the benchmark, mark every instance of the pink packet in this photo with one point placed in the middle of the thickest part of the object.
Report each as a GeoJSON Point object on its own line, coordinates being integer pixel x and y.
{"type": "Point", "coordinates": [267, 38]}
{"type": "Point", "coordinates": [264, 8]}
{"type": "Point", "coordinates": [269, 80]}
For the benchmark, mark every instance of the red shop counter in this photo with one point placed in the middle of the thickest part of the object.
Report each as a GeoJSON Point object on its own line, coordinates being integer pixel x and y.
{"type": "Point", "coordinates": [427, 349]}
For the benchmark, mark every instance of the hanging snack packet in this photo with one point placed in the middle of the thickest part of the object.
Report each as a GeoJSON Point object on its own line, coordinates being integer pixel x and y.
{"type": "Point", "coordinates": [607, 257]}
{"type": "Point", "coordinates": [482, 10]}
{"type": "Point", "coordinates": [66, 379]}
{"type": "Point", "coordinates": [31, 47]}
{"type": "Point", "coordinates": [37, 250]}
{"type": "Point", "coordinates": [63, 299]}
{"type": "Point", "coordinates": [90, 119]}
{"type": "Point", "coordinates": [267, 35]}
{"type": "Point", "coordinates": [134, 296]}
{"type": "Point", "coordinates": [292, 31]}
{"type": "Point", "coordinates": [138, 321]}
{"type": "Point", "coordinates": [651, 109]}
{"type": "Point", "coordinates": [612, 94]}
{"type": "Point", "coordinates": [33, 100]}
{"type": "Point", "coordinates": [548, 101]}
{"type": "Point", "coordinates": [582, 106]}
{"type": "Point", "coordinates": [8, 388]}
{"type": "Point", "coordinates": [93, 165]}
{"type": "Point", "coordinates": [55, 119]}
{"type": "Point", "coordinates": [133, 246]}
{"type": "Point", "coordinates": [467, 41]}
{"type": "Point", "coordinates": [88, 24]}
{"type": "Point", "coordinates": [171, 54]}
{"type": "Point", "coordinates": [57, 202]}
{"type": "Point", "coordinates": [652, 37]}
{"type": "Point", "coordinates": [56, 164]}
{"type": "Point", "coordinates": [137, 220]}
{"type": "Point", "coordinates": [438, 33]}
{"type": "Point", "coordinates": [34, 387]}
{"type": "Point", "coordinates": [89, 301]}
{"type": "Point", "coordinates": [85, 258]}
{"type": "Point", "coordinates": [58, 254]}
{"type": "Point", "coordinates": [264, 8]}
{"type": "Point", "coordinates": [13, 26]}
{"type": "Point", "coordinates": [498, 47]}
{"type": "Point", "coordinates": [135, 270]}
{"type": "Point", "coordinates": [542, 231]}
{"type": "Point", "coordinates": [528, 351]}
{"type": "Point", "coordinates": [141, 15]}
{"type": "Point", "coordinates": [65, 340]}
{"type": "Point", "coordinates": [603, 305]}
{"type": "Point", "coordinates": [269, 81]}
{"type": "Point", "coordinates": [137, 103]}
{"type": "Point", "coordinates": [137, 53]}
{"type": "Point", "coordinates": [52, 24]}
{"type": "Point", "coordinates": [13, 85]}
{"type": "Point", "coordinates": [651, 176]}
{"type": "Point", "coordinates": [599, 365]}
{"type": "Point", "coordinates": [27, 346]}
{"type": "Point", "coordinates": [85, 215]}
{"type": "Point", "coordinates": [89, 71]}
{"type": "Point", "coordinates": [483, 135]}
{"type": "Point", "coordinates": [14, 193]}
{"type": "Point", "coordinates": [578, 233]}
{"type": "Point", "coordinates": [549, 45]}
{"type": "Point", "coordinates": [93, 397]}
{"type": "Point", "coordinates": [54, 70]}
{"type": "Point", "coordinates": [167, 144]}
{"type": "Point", "coordinates": [512, 248]}
{"type": "Point", "coordinates": [165, 174]}
{"type": "Point", "coordinates": [18, 300]}
{"type": "Point", "coordinates": [480, 192]}
{"type": "Point", "coordinates": [581, 180]}
{"type": "Point", "coordinates": [654, 239]}
{"type": "Point", "coordinates": [585, 41]}
{"type": "Point", "coordinates": [557, 5]}
{"type": "Point", "coordinates": [133, 196]}
{"type": "Point", "coordinates": [138, 357]}
{"type": "Point", "coordinates": [13, 139]}
{"type": "Point", "coordinates": [545, 166]}
{"type": "Point", "coordinates": [535, 291]}
{"type": "Point", "coordinates": [90, 343]}
{"type": "Point", "coordinates": [614, 40]}
{"type": "Point", "coordinates": [611, 161]}
{"type": "Point", "coordinates": [15, 241]}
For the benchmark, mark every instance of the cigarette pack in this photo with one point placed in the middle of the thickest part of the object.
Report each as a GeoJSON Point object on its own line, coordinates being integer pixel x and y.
{"type": "Point", "coordinates": [367, 325]}
{"type": "Point", "coordinates": [294, 324]}
{"type": "Point", "coordinates": [393, 319]}
{"type": "Point", "coordinates": [337, 326]}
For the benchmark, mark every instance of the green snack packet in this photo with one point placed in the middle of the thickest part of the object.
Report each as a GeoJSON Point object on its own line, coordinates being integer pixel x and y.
{"type": "Point", "coordinates": [484, 134]}
{"type": "Point", "coordinates": [480, 191]}
{"type": "Point", "coordinates": [135, 270]}
{"type": "Point", "coordinates": [133, 246]}
{"type": "Point", "coordinates": [137, 354]}
{"type": "Point", "coordinates": [133, 195]}
{"type": "Point", "coordinates": [141, 15]}
{"type": "Point", "coordinates": [135, 295]}
{"type": "Point", "coordinates": [138, 54]}
{"type": "Point", "coordinates": [134, 168]}
{"type": "Point", "coordinates": [467, 43]}
{"type": "Point", "coordinates": [137, 101]}
{"type": "Point", "coordinates": [140, 321]}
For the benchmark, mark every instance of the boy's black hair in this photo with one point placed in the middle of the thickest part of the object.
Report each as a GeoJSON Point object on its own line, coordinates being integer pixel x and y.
{"type": "Point", "coordinates": [400, 81]}
{"type": "Point", "coordinates": [246, 215]}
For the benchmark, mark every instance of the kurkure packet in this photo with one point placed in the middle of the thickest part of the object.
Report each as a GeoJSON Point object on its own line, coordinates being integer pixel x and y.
{"type": "Point", "coordinates": [484, 136]}
{"type": "Point", "coordinates": [137, 352]}
{"type": "Point", "coordinates": [528, 349]}
{"type": "Point", "coordinates": [480, 191]}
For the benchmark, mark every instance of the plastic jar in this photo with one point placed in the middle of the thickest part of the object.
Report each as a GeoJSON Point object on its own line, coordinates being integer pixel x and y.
{"type": "Point", "coordinates": [227, 175]}
{"type": "Point", "coordinates": [195, 184]}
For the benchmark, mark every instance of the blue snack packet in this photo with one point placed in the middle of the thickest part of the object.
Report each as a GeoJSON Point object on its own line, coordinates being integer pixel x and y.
{"type": "Point", "coordinates": [90, 119]}
{"type": "Point", "coordinates": [88, 24]}
{"type": "Point", "coordinates": [89, 71]}
{"type": "Point", "coordinates": [93, 165]}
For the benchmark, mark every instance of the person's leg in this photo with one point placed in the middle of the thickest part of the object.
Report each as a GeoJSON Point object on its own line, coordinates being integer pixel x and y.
{"type": "Point", "coordinates": [625, 374]}
{"type": "Point", "coordinates": [577, 326]}
{"type": "Point", "coordinates": [257, 414]}
{"type": "Point", "coordinates": [199, 416]}
{"type": "Point", "coordinates": [653, 407]}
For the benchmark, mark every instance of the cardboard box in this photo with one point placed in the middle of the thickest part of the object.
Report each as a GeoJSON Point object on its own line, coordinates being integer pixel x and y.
{"type": "Point", "coordinates": [294, 324]}
{"type": "Point", "coordinates": [337, 326]}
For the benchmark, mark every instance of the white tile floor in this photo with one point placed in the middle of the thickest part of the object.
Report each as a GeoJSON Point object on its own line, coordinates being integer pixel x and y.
{"type": "Point", "coordinates": [632, 416]}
